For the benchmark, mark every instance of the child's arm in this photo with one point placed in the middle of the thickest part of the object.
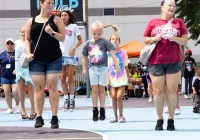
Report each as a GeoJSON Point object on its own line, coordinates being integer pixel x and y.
{"type": "Point", "coordinates": [108, 80]}
{"type": "Point", "coordinates": [127, 72]}
{"type": "Point", "coordinates": [84, 60]}
{"type": "Point", "coordinates": [112, 54]}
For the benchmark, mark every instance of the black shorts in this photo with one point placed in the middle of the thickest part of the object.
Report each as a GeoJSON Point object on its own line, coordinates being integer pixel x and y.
{"type": "Point", "coordinates": [163, 69]}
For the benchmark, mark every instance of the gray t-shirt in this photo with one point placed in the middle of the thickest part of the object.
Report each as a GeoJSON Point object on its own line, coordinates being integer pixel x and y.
{"type": "Point", "coordinates": [97, 51]}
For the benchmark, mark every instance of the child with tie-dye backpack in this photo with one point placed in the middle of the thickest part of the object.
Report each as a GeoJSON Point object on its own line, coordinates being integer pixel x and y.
{"type": "Point", "coordinates": [118, 81]}
{"type": "Point", "coordinates": [96, 50]}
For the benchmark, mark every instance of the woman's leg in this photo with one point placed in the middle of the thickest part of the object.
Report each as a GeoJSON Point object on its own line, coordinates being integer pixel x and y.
{"type": "Point", "coordinates": [22, 90]}
{"type": "Point", "coordinates": [8, 97]}
{"type": "Point", "coordinates": [31, 96]}
{"type": "Point", "coordinates": [15, 92]}
{"type": "Point", "coordinates": [172, 81]}
{"type": "Point", "coordinates": [158, 83]}
{"type": "Point", "coordinates": [40, 82]}
{"type": "Point", "coordinates": [114, 100]}
{"type": "Point", "coordinates": [52, 80]}
{"type": "Point", "coordinates": [71, 85]}
{"type": "Point", "coordinates": [63, 82]}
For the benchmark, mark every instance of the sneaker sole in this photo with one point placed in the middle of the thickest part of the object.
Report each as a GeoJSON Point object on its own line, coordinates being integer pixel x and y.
{"type": "Point", "coordinates": [170, 129]}
{"type": "Point", "coordinates": [71, 110]}
{"type": "Point", "coordinates": [177, 113]}
{"type": "Point", "coordinates": [9, 113]}
{"type": "Point", "coordinates": [37, 126]}
{"type": "Point", "coordinates": [54, 127]}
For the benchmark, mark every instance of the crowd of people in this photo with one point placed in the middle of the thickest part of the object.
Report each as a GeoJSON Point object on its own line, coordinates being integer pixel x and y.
{"type": "Point", "coordinates": [49, 42]}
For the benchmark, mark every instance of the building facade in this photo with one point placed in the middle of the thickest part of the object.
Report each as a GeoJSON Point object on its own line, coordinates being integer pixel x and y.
{"type": "Point", "coordinates": [131, 16]}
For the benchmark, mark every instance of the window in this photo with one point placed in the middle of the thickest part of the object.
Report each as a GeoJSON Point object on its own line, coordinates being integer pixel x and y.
{"type": "Point", "coordinates": [109, 12]}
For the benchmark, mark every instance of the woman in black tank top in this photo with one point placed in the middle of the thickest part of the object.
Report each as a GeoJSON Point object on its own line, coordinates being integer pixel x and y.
{"type": "Point", "coordinates": [46, 63]}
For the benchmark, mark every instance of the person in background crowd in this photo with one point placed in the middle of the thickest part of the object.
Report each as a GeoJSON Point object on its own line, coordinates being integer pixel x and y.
{"type": "Point", "coordinates": [189, 71]}
{"type": "Point", "coordinates": [23, 78]}
{"type": "Point", "coordinates": [69, 61]}
{"type": "Point", "coordinates": [8, 77]}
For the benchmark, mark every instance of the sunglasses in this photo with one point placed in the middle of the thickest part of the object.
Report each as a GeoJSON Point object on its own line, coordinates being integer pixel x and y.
{"type": "Point", "coordinates": [10, 43]}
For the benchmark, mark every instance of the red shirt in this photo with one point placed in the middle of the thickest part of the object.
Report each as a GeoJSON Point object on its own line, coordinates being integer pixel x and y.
{"type": "Point", "coordinates": [166, 52]}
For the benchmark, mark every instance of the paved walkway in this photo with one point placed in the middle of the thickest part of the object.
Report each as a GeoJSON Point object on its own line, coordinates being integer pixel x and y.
{"type": "Point", "coordinates": [140, 116]}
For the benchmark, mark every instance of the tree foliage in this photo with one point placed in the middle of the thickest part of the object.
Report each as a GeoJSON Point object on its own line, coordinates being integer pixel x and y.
{"type": "Point", "coordinates": [189, 11]}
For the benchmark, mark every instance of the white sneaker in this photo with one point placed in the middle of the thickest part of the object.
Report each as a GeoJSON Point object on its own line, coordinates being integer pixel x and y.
{"type": "Point", "coordinates": [17, 109]}
{"type": "Point", "coordinates": [189, 96]}
{"type": "Point", "coordinates": [186, 96]}
{"type": "Point", "coordinates": [166, 110]}
{"type": "Point", "coordinates": [150, 99]}
{"type": "Point", "coordinates": [9, 111]}
{"type": "Point", "coordinates": [72, 105]}
{"type": "Point", "coordinates": [177, 111]}
{"type": "Point", "coordinates": [66, 105]}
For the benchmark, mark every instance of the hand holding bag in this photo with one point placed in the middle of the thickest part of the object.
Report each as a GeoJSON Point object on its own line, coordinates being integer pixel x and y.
{"type": "Point", "coordinates": [146, 52]}
{"type": "Point", "coordinates": [23, 61]}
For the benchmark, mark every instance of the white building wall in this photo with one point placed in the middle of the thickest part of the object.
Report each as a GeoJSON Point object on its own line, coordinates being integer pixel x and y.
{"type": "Point", "coordinates": [131, 26]}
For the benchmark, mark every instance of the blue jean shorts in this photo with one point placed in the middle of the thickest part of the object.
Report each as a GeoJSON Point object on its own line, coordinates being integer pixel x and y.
{"type": "Point", "coordinates": [98, 75]}
{"type": "Point", "coordinates": [43, 68]}
{"type": "Point", "coordinates": [7, 81]}
{"type": "Point", "coordinates": [69, 60]}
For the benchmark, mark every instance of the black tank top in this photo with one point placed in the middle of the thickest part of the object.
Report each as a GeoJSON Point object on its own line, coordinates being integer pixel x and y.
{"type": "Point", "coordinates": [48, 48]}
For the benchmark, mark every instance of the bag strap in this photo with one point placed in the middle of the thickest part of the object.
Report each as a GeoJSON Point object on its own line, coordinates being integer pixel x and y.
{"type": "Point", "coordinates": [167, 25]}
{"type": "Point", "coordinates": [40, 34]}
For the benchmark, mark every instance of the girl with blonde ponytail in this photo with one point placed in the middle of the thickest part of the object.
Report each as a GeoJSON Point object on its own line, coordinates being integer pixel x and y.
{"type": "Point", "coordinates": [96, 49]}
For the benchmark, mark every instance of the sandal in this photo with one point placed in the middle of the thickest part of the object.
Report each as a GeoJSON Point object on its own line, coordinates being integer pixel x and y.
{"type": "Point", "coordinates": [113, 120]}
{"type": "Point", "coordinates": [32, 117]}
{"type": "Point", "coordinates": [122, 119]}
{"type": "Point", "coordinates": [24, 116]}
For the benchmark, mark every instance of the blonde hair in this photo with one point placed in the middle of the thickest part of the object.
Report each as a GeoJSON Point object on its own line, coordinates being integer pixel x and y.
{"type": "Point", "coordinates": [115, 36]}
{"type": "Point", "coordinates": [22, 27]}
{"type": "Point", "coordinates": [99, 25]}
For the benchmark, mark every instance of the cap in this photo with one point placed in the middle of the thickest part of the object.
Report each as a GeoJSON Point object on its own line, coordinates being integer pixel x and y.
{"type": "Point", "coordinates": [188, 51]}
{"type": "Point", "coordinates": [10, 39]}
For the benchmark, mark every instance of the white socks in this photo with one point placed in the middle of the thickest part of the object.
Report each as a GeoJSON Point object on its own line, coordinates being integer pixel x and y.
{"type": "Point", "coordinates": [65, 96]}
{"type": "Point", "coordinates": [70, 96]}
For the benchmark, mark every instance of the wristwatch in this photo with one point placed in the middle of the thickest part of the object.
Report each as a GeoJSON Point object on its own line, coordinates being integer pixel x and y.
{"type": "Point", "coordinates": [53, 34]}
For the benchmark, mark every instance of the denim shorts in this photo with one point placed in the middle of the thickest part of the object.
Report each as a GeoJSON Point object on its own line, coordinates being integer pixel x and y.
{"type": "Point", "coordinates": [43, 68]}
{"type": "Point", "coordinates": [163, 69]}
{"type": "Point", "coordinates": [98, 75]}
{"type": "Point", "coordinates": [7, 81]}
{"type": "Point", "coordinates": [69, 60]}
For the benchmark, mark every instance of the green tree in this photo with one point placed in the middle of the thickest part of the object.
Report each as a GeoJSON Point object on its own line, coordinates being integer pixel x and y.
{"type": "Point", "coordinates": [189, 11]}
